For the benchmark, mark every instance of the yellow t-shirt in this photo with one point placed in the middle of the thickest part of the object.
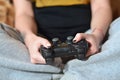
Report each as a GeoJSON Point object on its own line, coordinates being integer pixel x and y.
{"type": "Point", "coordinates": [45, 3]}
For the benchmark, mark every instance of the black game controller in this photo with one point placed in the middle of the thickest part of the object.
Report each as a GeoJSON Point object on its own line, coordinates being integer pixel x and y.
{"type": "Point", "coordinates": [67, 48]}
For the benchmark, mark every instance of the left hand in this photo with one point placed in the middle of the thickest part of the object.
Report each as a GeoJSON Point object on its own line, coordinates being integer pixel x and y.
{"type": "Point", "coordinates": [92, 39]}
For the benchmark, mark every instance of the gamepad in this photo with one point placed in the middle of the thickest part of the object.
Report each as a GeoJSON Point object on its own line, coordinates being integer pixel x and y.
{"type": "Point", "coordinates": [67, 48]}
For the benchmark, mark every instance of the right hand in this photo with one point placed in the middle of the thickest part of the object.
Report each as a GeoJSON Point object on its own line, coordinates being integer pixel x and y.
{"type": "Point", "coordinates": [33, 44]}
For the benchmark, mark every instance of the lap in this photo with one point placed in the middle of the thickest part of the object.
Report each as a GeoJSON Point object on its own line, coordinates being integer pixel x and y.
{"type": "Point", "coordinates": [101, 66]}
{"type": "Point", "coordinates": [11, 43]}
{"type": "Point", "coordinates": [14, 58]}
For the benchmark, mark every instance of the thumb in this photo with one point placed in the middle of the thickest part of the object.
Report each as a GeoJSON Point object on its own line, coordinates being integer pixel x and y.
{"type": "Point", "coordinates": [45, 43]}
{"type": "Point", "coordinates": [78, 37]}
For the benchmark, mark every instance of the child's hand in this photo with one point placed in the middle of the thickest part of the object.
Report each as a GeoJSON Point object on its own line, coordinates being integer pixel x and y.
{"type": "Point", "coordinates": [92, 39]}
{"type": "Point", "coordinates": [33, 44]}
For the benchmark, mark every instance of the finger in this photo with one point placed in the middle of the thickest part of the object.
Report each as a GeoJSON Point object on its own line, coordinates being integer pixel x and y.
{"type": "Point", "coordinates": [92, 51]}
{"type": "Point", "coordinates": [78, 37]}
{"type": "Point", "coordinates": [45, 43]}
{"type": "Point", "coordinates": [37, 58]}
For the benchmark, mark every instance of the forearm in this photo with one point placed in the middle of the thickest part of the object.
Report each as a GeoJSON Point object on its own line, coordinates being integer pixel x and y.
{"type": "Point", "coordinates": [24, 17]}
{"type": "Point", "coordinates": [25, 24]}
{"type": "Point", "coordinates": [101, 19]}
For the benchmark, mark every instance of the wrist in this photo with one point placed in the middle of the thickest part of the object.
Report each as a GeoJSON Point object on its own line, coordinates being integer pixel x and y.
{"type": "Point", "coordinates": [99, 34]}
{"type": "Point", "coordinates": [27, 35]}
{"type": "Point", "coordinates": [29, 38]}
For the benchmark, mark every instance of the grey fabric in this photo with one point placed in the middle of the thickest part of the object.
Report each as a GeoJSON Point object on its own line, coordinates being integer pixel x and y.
{"type": "Point", "coordinates": [15, 63]}
{"type": "Point", "coordinates": [14, 59]}
{"type": "Point", "coordinates": [104, 65]}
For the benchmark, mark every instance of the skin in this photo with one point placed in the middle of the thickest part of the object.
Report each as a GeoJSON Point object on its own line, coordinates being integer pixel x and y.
{"type": "Point", "coordinates": [26, 25]}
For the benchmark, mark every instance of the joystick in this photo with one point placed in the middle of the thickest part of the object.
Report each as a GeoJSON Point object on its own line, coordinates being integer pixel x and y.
{"type": "Point", "coordinates": [67, 48]}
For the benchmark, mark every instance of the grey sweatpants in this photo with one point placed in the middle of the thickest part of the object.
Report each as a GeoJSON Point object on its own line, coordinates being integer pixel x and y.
{"type": "Point", "coordinates": [15, 62]}
{"type": "Point", "coordinates": [104, 65]}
